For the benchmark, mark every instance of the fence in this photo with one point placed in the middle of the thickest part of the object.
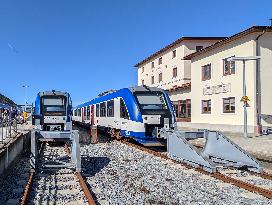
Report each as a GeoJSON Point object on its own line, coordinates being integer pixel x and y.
{"type": "Point", "coordinates": [8, 129]}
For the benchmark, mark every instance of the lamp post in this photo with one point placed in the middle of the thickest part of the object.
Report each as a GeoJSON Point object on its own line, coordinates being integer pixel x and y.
{"type": "Point", "coordinates": [25, 87]}
{"type": "Point", "coordinates": [244, 98]}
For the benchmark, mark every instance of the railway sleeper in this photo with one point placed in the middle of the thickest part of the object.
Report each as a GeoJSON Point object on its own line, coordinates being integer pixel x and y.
{"type": "Point", "coordinates": [218, 151]}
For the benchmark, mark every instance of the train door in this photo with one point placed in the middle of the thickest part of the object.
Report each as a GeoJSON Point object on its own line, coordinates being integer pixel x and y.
{"type": "Point", "coordinates": [117, 119]}
{"type": "Point", "coordinates": [92, 115]}
{"type": "Point", "coordinates": [124, 116]}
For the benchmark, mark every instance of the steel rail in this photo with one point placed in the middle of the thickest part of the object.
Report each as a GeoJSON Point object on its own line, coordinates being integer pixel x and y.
{"type": "Point", "coordinates": [82, 183]}
{"type": "Point", "coordinates": [266, 175]}
{"type": "Point", "coordinates": [27, 189]}
{"type": "Point", "coordinates": [245, 185]}
{"type": "Point", "coordinates": [85, 189]}
{"type": "Point", "coordinates": [263, 174]}
{"type": "Point", "coordinates": [241, 184]}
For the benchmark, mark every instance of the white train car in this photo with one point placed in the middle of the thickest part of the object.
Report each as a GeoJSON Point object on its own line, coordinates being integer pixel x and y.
{"type": "Point", "coordinates": [137, 112]}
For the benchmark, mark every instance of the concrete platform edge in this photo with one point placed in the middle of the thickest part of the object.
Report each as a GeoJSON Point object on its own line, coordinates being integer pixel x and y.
{"type": "Point", "coordinates": [11, 150]}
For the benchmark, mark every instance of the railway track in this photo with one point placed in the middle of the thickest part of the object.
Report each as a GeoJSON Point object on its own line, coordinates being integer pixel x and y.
{"type": "Point", "coordinates": [217, 175]}
{"type": "Point", "coordinates": [56, 185]}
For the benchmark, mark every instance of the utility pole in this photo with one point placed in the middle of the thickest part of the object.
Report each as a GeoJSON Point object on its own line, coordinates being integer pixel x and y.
{"type": "Point", "coordinates": [245, 98]}
{"type": "Point", "coordinates": [244, 94]}
{"type": "Point", "coordinates": [25, 87]}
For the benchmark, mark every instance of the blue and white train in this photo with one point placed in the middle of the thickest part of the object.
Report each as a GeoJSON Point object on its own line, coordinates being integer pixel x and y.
{"type": "Point", "coordinates": [136, 112]}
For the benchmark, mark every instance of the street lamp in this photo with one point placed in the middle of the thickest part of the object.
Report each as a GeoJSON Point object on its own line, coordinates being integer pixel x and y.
{"type": "Point", "coordinates": [244, 98]}
{"type": "Point", "coordinates": [25, 87]}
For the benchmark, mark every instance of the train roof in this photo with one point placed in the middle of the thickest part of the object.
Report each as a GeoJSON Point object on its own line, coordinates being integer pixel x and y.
{"type": "Point", "coordinates": [118, 93]}
{"type": "Point", "coordinates": [5, 106]}
{"type": "Point", "coordinates": [144, 88]}
{"type": "Point", "coordinates": [53, 92]}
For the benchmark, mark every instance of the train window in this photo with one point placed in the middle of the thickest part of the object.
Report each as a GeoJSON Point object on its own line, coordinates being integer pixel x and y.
{"type": "Point", "coordinates": [88, 113]}
{"type": "Point", "coordinates": [110, 108]}
{"type": "Point", "coordinates": [123, 110]}
{"type": "Point", "coordinates": [103, 109]}
{"type": "Point", "coordinates": [97, 110]}
{"type": "Point", "coordinates": [85, 113]}
{"type": "Point", "coordinates": [79, 112]}
{"type": "Point", "coordinates": [151, 101]}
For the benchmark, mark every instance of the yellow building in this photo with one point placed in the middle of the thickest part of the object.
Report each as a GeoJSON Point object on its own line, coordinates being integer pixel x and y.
{"type": "Point", "coordinates": [167, 69]}
{"type": "Point", "coordinates": [206, 89]}
{"type": "Point", "coordinates": [217, 84]}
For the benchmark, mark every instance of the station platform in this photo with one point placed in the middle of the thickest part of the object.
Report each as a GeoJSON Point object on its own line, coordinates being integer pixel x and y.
{"type": "Point", "coordinates": [11, 146]}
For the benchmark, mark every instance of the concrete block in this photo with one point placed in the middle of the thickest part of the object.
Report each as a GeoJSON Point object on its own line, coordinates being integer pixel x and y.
{"type": "Point", "coordinates": [18, 190]}
{"type": "Point", "coordinates": [103, 202]}
{"type": "Point", "coordinates": [22, 182]}
{"type": "Point", "coordinates": [13, 202]}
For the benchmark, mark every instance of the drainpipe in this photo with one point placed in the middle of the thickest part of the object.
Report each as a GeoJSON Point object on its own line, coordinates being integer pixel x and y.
{"type": "Point", "coordinates": [258, 84]}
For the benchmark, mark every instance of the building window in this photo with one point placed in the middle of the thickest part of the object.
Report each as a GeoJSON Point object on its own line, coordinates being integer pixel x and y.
{"type": "Point", "coordinates": [198, 48]}
{"type": "Point", "coordinates": [174, 53]}
{"type": "Point", "coordinates": [88, 113]}
{"type": "Point", "coordinates": [228, 67]}
{"type": "Point", "coordinates": [110, 108]}
{"type": "Point", "coordinates": [142, 69]}
{"type": "Point", "coordinates": [152, 65]}
{"type": "Point", "coordinates": [206, 72]}
{"type": "Point", "coordinates": [175, 106]}
{"type": "Point", "coordinates": [97, 110]}
{"type": "Point", "coordinates": [206, 106]}
{"type": "Point", "coordinates": [123, 110]}
{"type": "Point", "coordinates": [182, 108]}
{"type": "Point", "coordinates": [175, 72]}
{"type": "Point", "coordinates": [103, 109]}
{"type": "Point", "coordinates": [152, 79]}
{"type": "Point", "coordinates": [229, 105]}
{"type": "Point", "coordinates": [160, 60]}
{"type": "Point", "coordinates": [160, 77]}
{"type": "Point", "coordinates": [142, 82]}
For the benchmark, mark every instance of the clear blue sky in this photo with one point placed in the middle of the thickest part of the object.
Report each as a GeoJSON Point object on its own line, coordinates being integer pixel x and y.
{"type": "Point", "coordinates": [86, 47]}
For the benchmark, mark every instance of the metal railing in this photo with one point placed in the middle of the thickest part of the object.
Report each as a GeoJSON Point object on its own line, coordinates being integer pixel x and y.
{"type": "Point", "coordinates": [8, 129]}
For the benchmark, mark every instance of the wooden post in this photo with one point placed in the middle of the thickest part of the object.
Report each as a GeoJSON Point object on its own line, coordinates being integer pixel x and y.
{"type": "Point", "coordinates": [94, 134]}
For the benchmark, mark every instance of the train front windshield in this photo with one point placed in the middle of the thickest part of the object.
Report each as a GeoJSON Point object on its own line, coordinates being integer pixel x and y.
{"type": "Point", "coordinates": [53, 105]}
{"type": "Point", "coordinates": [150, 102]}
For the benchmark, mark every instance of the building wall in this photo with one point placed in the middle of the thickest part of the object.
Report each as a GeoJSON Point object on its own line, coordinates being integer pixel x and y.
{"type": "Point", "coordinates": [191, 71]}
{"type": "Point", "coordinates": [217, 119]}
{"type": "Point", "coordinates": [180, 95]}
{"type": "Point", "coordinates": [265, 43]}
{"type": "Point", "coordinates": [168, 63]}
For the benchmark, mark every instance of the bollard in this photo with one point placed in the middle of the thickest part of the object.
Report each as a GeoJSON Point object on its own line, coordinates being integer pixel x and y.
{"type": "Point", "coordinates": [94, 134]}
{"type": "Point", "coordinates": [2, 133]}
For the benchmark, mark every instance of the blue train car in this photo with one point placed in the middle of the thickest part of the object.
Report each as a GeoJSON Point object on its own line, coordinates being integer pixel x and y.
{"type": "Point", "coordinates": [136, 112]}
{"type": "Point", "coordinates": [53, 111]}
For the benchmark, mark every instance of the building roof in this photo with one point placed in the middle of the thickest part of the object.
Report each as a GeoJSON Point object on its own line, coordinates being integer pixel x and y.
{"type": "Point", "coordinates": [175, 43]}
{"type": "Point", "coordinates": [229, 39]}
{"type": "Point", "coordinates": [182, 87]}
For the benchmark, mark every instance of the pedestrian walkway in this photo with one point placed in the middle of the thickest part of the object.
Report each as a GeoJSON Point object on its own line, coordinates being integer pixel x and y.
{"type": "Point", "coordinates": [8, 133]}
{"type": "Point", "coordinates": [260, 147]}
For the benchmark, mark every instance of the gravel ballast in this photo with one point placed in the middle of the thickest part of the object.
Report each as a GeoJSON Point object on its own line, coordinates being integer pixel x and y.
{"type": "Point", "coordinates": [120, 174]}
{"type": "Point", "coordinates": [125, 175]}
